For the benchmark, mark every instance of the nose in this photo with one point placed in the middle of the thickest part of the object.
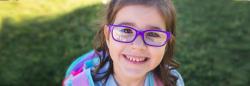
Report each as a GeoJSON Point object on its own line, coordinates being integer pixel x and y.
{"type": "Point", "coordinates": [138, 43]}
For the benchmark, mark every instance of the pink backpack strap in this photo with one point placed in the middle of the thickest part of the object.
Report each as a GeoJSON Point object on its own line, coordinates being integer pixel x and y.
{"type": "Point", "coordinates": [80, 79]}
{"type": "Point", "coordinates": [83, 78]}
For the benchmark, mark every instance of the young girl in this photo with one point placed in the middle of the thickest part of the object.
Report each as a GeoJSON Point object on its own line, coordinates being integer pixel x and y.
{"type": "Point", "coordinates": [134, 47]}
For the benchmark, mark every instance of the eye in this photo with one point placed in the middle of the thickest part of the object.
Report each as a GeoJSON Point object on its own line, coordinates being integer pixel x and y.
{"type": "Point", "coordinates": [153, 34]}
{"type": "Point", "coordinates": [126, 30]}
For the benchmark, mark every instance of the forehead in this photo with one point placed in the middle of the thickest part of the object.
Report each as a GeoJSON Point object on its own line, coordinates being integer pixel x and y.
{"type": "Point", "coordinates": [140, 16]}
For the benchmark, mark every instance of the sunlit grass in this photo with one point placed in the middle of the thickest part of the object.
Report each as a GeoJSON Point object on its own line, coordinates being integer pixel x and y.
{"type": "Point", "coordinates": [17, 10]}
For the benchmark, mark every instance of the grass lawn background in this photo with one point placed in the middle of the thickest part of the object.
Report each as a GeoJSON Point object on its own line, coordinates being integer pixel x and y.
{"type": "Point", "coordinates": [39, 39]}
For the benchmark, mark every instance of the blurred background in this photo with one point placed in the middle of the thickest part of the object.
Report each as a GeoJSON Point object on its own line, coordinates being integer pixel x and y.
{"type": "Point", "coordinates": [40, 38]}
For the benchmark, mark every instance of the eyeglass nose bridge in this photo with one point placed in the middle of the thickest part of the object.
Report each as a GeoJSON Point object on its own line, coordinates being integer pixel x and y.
{"type": "Point", "coordinates": [140, 33]}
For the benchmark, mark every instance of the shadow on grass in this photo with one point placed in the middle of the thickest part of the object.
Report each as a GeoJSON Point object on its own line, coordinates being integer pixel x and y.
{"type": "Point", "coordinates": [37, 52]}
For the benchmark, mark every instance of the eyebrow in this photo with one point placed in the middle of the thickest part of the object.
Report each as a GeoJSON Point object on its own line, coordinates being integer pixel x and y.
{"type": "Point", "coordinates": [148, 27]}
{"type": "Point", "coordinates": [127, 23]}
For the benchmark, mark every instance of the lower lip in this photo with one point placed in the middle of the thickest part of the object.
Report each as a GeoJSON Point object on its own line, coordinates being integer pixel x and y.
{"type": "Point", "coordinates": [135, 62]}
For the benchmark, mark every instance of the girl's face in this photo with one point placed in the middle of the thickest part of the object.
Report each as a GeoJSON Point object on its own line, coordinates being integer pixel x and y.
{"type": "Point", "coordinates": [135, 59]}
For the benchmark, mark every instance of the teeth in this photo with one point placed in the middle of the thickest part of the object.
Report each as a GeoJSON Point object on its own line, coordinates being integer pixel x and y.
{"type": "Point", "coordinates": [130, 59]}
{"type": "Point", "coordinates": [136, 59]}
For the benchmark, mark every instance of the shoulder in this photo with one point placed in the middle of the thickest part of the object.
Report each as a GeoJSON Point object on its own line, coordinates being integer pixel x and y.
{"type": "Point", "coordinates": [79, 72]}
{"type": "Point", "coordinates": [85, 61]}
{"type": "Point", "coordinates": [180, 81]}
{"type": "Point", "coordinates": [175, 73]}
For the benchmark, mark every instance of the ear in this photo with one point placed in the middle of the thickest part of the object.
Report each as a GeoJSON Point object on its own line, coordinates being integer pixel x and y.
{"type": "Point", "coordinates": [106, 33]}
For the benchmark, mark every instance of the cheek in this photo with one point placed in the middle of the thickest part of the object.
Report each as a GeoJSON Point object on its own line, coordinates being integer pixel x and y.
{"type": "Point", "coordinates": [115, 48]}
{"type": "Point", "coordinates": [157, 55]}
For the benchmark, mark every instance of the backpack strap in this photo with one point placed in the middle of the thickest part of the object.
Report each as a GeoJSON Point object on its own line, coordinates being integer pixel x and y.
{"type": "Point", "coordinates": [79, 72]}
{"type": "Point", "coordinates": [180, 81]}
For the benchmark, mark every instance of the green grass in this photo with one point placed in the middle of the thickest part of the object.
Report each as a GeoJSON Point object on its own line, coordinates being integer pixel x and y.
{"type": "Point", "coordinates": [213, 42]}
{"type": "Point", "coordinates": [28, 9]}
{"type": "Point", "coordinates": [37, 49]}
{"type": "Point", "coordinates": [39, 39]}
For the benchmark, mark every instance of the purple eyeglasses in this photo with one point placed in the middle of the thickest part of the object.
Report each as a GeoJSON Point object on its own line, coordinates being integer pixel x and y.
{"type": "Point", "coordinates": [126, 34]}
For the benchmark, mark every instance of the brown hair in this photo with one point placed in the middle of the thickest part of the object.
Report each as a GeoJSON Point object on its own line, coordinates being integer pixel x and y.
{"type": "Point", "coordinates": [168, 12]}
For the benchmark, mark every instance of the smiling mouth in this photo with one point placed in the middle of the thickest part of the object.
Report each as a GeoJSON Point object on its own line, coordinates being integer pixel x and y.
{"type": "Point", "coordinates": [135, 59]}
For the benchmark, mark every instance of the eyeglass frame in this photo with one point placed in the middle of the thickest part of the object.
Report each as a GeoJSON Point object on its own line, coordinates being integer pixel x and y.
{"type": "Point", "coordinates": [139, 32]}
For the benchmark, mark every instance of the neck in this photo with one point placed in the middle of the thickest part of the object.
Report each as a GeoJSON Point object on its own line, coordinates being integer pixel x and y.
{"type": "Point", "coordinates": [129, 81]}
{"type": "Point", "coordinates": [123, 80]}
